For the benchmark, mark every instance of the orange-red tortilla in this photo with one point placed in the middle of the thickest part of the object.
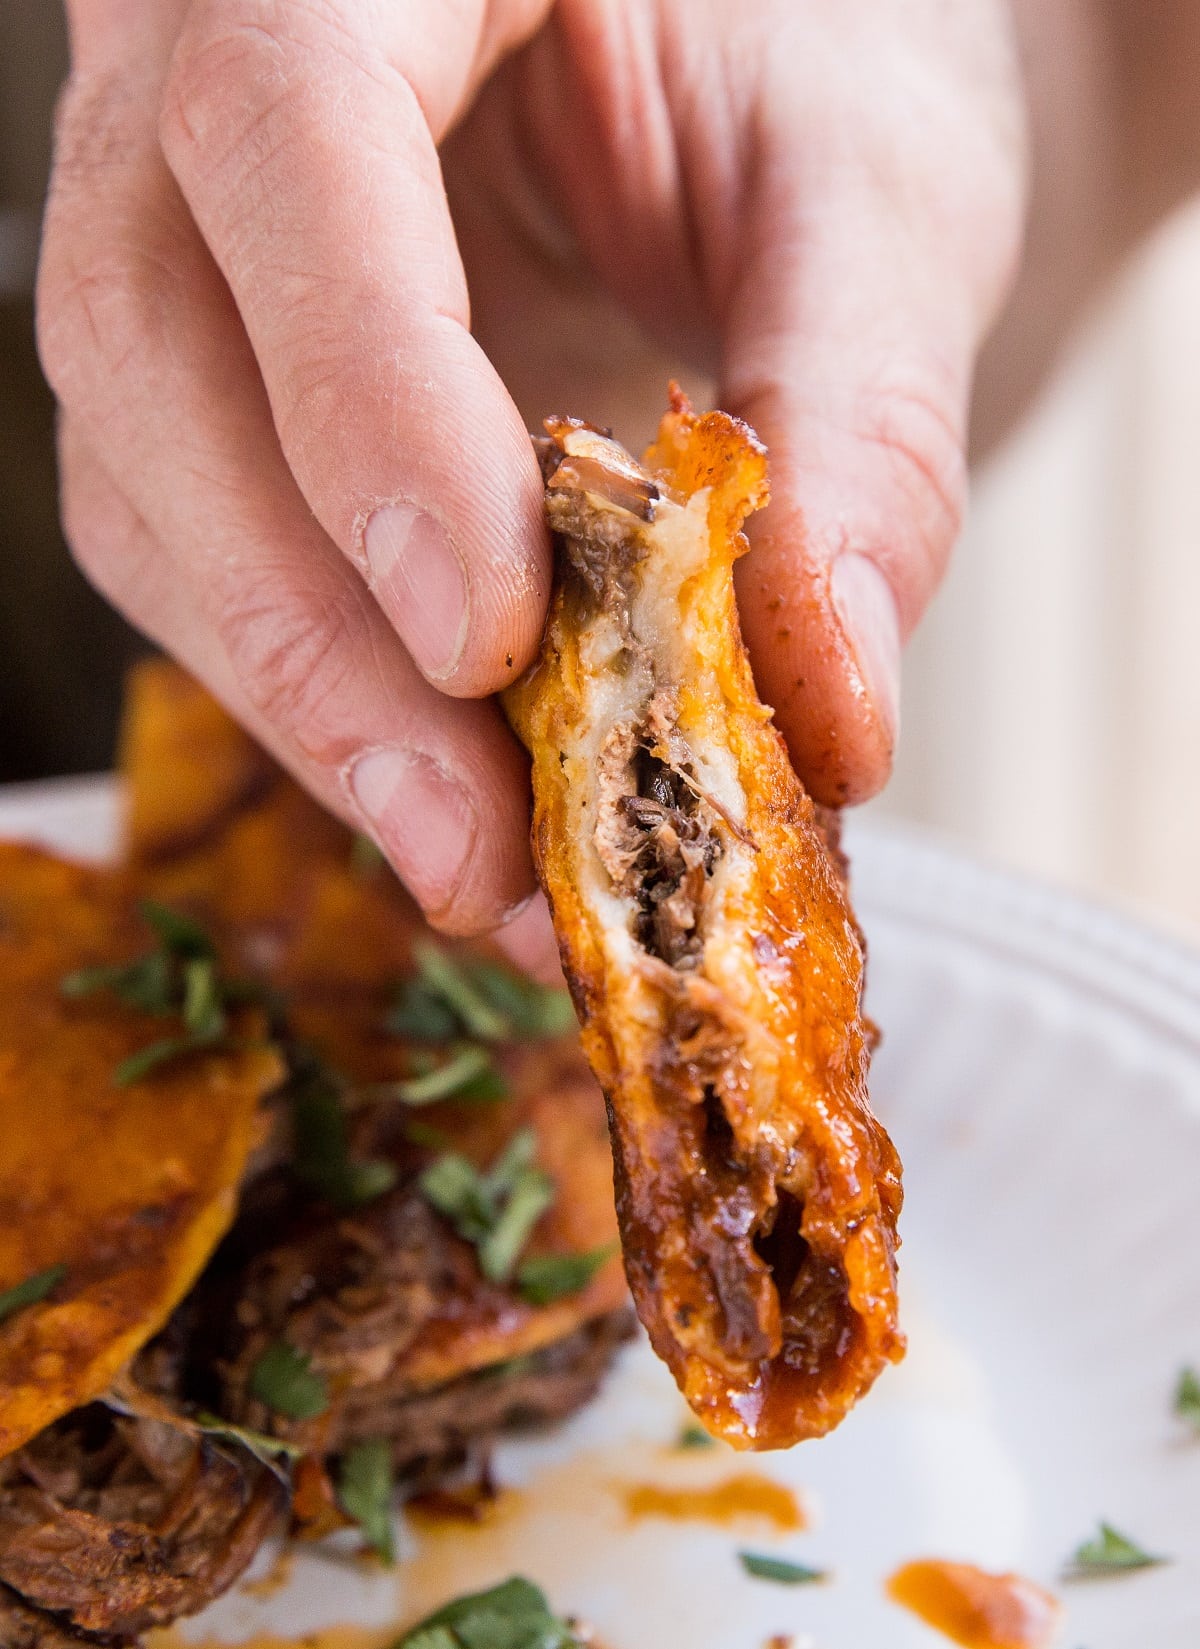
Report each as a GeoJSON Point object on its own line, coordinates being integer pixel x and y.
{"type": "Point", "coordinates": [276, 881]}
{"type": "Point", "coordinates": [129, 1189]}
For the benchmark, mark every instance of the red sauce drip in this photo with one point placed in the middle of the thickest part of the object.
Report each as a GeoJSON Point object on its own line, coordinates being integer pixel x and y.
{"type": "Point", "coordinates": [747, 1494]}
{"type": "Point", "coordinates": [975, 1608]}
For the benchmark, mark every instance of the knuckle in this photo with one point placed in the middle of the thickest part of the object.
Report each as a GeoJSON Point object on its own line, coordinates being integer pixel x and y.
{"type": "Point", "coordinates": [317, 405]}
{"type": "Point", "coordinates": [98, 124]}
{"type": "Point", "coordinates": [116, 259]}
{"type": "Point", "coordinates": [91, 319]}
{"type": "Point", "coordinates": [218, 81]}
{"type": "Point", "coordinates": [79, 289]}
{"type": "Point", "coordinates": [296, 658]}
{"type": "Point", "coordinates": [250, 79]}
{"type": "Point", "coordinates": [923, 441]}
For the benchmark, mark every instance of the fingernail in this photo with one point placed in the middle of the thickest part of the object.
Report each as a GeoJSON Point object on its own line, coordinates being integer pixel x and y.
{"type": "Point", "coordinates": [867, 608]}
{"type": "Point", "coordinates": [423, 819]}
{"type": "Point", "coordinates": [420, 580]}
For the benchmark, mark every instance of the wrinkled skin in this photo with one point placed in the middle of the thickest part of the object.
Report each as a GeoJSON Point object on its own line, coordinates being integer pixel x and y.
{"type": "Point", "coordinates": [273, 221]}
{"type": "Point", "coordinates": [286, 457]}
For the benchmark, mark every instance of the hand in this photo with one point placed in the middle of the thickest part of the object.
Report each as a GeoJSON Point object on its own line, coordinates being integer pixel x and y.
{"type": "Point", "coordinates": [286, 457]}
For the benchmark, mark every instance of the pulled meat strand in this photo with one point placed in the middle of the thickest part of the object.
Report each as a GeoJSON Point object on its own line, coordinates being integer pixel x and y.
{"type": "Point", "coordinates": [112, 1525]}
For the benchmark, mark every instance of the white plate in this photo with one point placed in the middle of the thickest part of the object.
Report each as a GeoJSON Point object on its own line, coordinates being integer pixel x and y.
{"type": "Point", "coordinates": [1041, 1076]}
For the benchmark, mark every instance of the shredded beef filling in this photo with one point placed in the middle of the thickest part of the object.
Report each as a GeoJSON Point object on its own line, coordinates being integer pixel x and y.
{"type": "Point", "coordinates": [110, 1525]}
{"type": "Point", "coordinates": [353, 1291]}
{"type": "Point", "coordinates": [670, 850]}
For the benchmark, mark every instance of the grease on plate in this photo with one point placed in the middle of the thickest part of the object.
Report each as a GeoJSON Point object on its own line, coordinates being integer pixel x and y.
{"type": "Point", "coordinates": [975, 1608]}
{"type": "Point", "coordinates": [329, 1637]}
{"type": "Point", "coordinates": [745, 1495]}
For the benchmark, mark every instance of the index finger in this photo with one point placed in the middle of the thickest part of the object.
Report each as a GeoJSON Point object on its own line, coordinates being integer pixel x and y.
{"type": "Point", "coordinates": [301, 137]}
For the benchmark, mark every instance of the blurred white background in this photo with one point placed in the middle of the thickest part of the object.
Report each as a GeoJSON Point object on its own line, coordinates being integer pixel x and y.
{"type": "Point", "coordinates": [1052, 696]}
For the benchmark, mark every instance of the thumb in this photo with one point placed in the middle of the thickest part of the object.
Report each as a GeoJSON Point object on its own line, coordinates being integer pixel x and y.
{"type": "Point", "coordinates": [849, 347]}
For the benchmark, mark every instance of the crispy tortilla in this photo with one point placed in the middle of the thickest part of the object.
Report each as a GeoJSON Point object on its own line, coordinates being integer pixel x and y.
{"type": "Point", "coordinates": [709, 944]}
{"type": "Point", "coordinates": [279, 883]}
{"type": "Point", "coordinates": [129, 1189]}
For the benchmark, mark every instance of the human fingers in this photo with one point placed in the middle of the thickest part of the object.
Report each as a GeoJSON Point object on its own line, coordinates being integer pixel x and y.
{"type": "Point", "coordinates": [231, 572]}
{"type": "Point", "coordinates": [304, 140]}
{"type": "Point", "coordinates": [871, 268]}
{"type": "Point", "coordinates": [528, 940]}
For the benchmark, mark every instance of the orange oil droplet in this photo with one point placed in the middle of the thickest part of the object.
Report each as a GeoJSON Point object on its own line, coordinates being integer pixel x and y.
{"type": "Point", "coordinates": [975, 1608]}
{"type": "Point", "coordinates": [745, 1495]}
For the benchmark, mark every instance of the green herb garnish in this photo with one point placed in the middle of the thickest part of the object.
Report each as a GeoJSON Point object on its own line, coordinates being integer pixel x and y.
{"type": "Point", "coordinates": [513, 1615]}
{"type": "Point", "coordinates": [455, 983]}
{"type": "Point", "coordinates": [366, 856]}
{"type": "Point", "coordinates": [1109, 1553]}
{"type": "Point", "coordinates": [179, 977]}
{"type": "Point", "coordinates": [162, 1052]}
{"type": "Point", "coordinates": [203, 1011]}
{"type": "Point", "coordinates": [467, 1074]}
{"type": "Point", "coordinates": [1187, 1397]}
{"type": "Point", "coordinates": [693, 1436]}
{"type": "Point", "coordinates": [320, 1142]}
{"type": "Point", "coordinates": [31, 1291]}
{"type": "Point", "coordinates": [421, 1013]}
{"type": "Point", "coordinates": [366, 1483]}
{"type": "Point", "coordinates": [144, 983]}
{"type": "Point", "coordinates": [532, 1010]}
{"type": "Point", "coordinates": [264, 1447]}
{"type": "Point", "coordinates": [427, 1137]}
{"type": "Point", "coordinates": [179, 935]}
{"type": "Point", "coordinates": [764, 1567]}
{"type": "Point", "coordinates": [284, 1379]}
{"type": "Point", "coordinates": [544, 1278]}
{"type": "Point", "coordinates": [497, 1210]}
{"type": "Point", "coordinates": [456, 996]}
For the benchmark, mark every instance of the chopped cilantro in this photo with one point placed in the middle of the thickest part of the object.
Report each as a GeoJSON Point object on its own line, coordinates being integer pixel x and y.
{"type": "Point", "coordinates": [458, 996]}
{"type": "Point", "coordinates": [532, 1010]}
{"type": "Point", "coordinates": [144, 983]}
{"type": "Point", "coordinates": [693, 1436]}
{"type": "Point", "coordinates": [453, 982]}
{"type": "Point", "coordinates": [320, 1143]}
{"type": "Point", "coordinates": [468, 1073]}
{"type": "Point", "coordinates": [485, 1089]}
{"type": "Point", "coordinates": [366, 1483]}
{"type": "Point", "coordinates": [366, 856]}
{"type": "Point", "coordinates": [181, 935]}
{"type": "Point", "coordinates": [544, 1278]}
{"type": "Point", "coordinates": [496, 1210]}
{"type": "Point", "coordinates": [263, 1447]}
{"type": "Point", "coordinates": [162, 1052]}
{"type": "Point", "coordinates": [764, 1567]}
{"type": "Point", "coordinates": [179, 977]}
{"type": "Point", "coordinates": [31, 1291]}
{"type": "Point", "coordinates": [421, 1013]}
{"type": "Point", "coordinates": [284, 1379]}
{"type": "Point", "coordinates": [203, 1013]}
{"type": "Point", "coordinates": [428, 1138]}
{"type": "Point", "coordinates": [1109, 1553]}
{"type": "Point", "coordinates": [531, 1194]}
{"type": "Point", "coordinates": [1187, 1397]}
{"type": "Point", "coordinates": [513, 1615]}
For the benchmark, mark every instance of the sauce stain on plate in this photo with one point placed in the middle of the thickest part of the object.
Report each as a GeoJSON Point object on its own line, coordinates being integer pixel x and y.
{"type": "Point", "coordinates": [975, 1608]}
{"type": "Point", "coordinates": [550, 1525]}
{"type": "Point", "coordinates": [748, 1495]}
{"type": "Point", "coordinates": [329, 1637]}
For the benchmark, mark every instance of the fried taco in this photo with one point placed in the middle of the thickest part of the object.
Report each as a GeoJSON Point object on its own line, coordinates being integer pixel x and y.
{"type": "Point", "coordinates": [706, 933]}
{"type": "Point", "coordinates": [294, 1198]}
